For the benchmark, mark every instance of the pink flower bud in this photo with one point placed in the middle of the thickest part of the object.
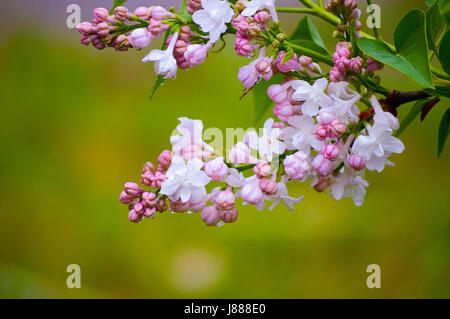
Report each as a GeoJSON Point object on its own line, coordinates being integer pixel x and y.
{"type": "Point", "coordinates": [268, 186]}
{"type": "Point", "coordinates": [225, 200]}
{"type": "Point", "coordinates": [243, 46]}
{"type": "Point", "coordinates": [326, 116]}
{"type": "Point", "coordinates": [134, 217]}
{"type": "Point", "coordinates": [139, 208]}
{"type": "Point", "coordinates": [149, 199]}
{"type": "Point", "coordinates": [180, 48]}
{"type": "Point", "coordinates": [148, 167]}
{"type": "Point", "coordinates": [264, 66]}
{"type": "Point", "coordinates": [150, 212]}
{"type": "Point", "coordinates": [278, 93]}
{"type": "Point", "coordinates": [179, 206]}
{"type": "Point", "coordinates": [322, 184]}
{"type": "Point", "coordinates": [356, 64]}
{"type": "Point", "coordinates": [297, 165]}
{"type": "Point", "coordinates": [305, 61]}
{"type": "Point", "coordinates": [284, 111]}
{"type": "Point", "coordinates": [85, 28]}
{"type": "Point", "coordinates": [322, 132]}
{"type": "Point", "coordinates": [101, 14]}
{"type": "Point", "coordinates": [103, 29]}
{"type": "Point", "coordinates": [157, 179]}
{"type": "Point", "coordinates": [356, 162]}
{"type": "Point", "coordinates": [230, 216]}
{"type": "Point", "coordinates": [147, 178]}
{"type": "Point", "coordinates": [159, 13]}
{"type": "Point", "coordinates": [336, 75]}
{"type": "Point", "coordinates": [185, 33]}
{"type": "Point", "coordinates": [251, 193]}
{"type": "Point", "coordinates": [216, 169]}
{"type": "Point", "coordinates": [338, 128]}
{"type": "Point", "coordinates": [262, 17]}
{"type": "Point", "coordinates": [165, 158]}
{"type": "Point", "coordinates": [373, 65]}
{"type": "Point", "coordinates": [330, 151]}
{"type": "Point", "coordinates": [125, 198]}
{"type": "Point", "coordinates": [161, 205]}
{"type": "Point", "coordinates": [235, 22]}
{"type": "Point", "coordinates": [194, 5]}
{"type": "Point", "coordinates": [156, 27]}
{"type": "Point", "coordinates": [121, 13]}
{"type": "Point", "coordinates": [289, 65]}
{"type": "Point", "coordinates": [196, 53]}
{"type": "Point", "coordinates": [321, 165]}
{"type": "Point", "coordinates": [132, 189]}
{"type": "Point", "coordinates": [98, 44]}
{"type": "Point", "coordinates": [140, 38]}
{"type": "Point", "coordinates": [262, 169]}
{"type": "Point", "coordinates": [210, 216]}
{"type": "Point", "coordinates": [143, 13]}
{"type": "Point", "coordinates": [341, 52]}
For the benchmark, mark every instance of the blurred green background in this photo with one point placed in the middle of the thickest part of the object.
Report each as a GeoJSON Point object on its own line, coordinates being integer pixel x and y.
{"type": "Point", "coordinates": [76, 126]}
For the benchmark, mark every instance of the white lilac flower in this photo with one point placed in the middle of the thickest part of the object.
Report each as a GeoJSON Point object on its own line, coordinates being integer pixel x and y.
{"type": "Point", "coordinates": [349, 184]}
{"type": "Point", "coordinates": [191, 134]}
{"type": "Point", "coordinates": [241, 154]}
{"type": "Point", "coordinates": [382, 117]}
{"type": "Point", "coordinates": [268, 144]}
{"type": "Point", "coordinates": [344, 104]}
{"type": "Point", "coordinates": [283, 196]}
{"type": "Point", "coordinates": [255, 5]}
{"type": "Point", "coordinates": [185, 181]}
{"type": "Point", "coordinates": [377, 145]}
{"type": "Point", "coordinates": [165, 63]}
{"type": "Point", "coordinates": [300, 134]}
{"type": "Point", "coordinates": [213, 17]}
{"type": "Point", "coordinates": [312, 96]}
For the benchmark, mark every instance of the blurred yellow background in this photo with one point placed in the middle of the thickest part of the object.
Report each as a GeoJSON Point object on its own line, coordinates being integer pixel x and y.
{"type": "Point", "coordinates": [76, 126]}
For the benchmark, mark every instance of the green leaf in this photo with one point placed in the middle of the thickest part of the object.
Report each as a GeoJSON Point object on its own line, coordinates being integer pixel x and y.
{"type": "Point", "coordinates": [289, 55]}
{"type": "Point", "coordinates": [434, 25]}
{"type": "Point", "coordinates": [310, 45]}
{"type": "Point", "coordinates": [262, 101]}
{"type": "Point", "coordinates": [183, 13]}
{"type": "Point", "coordinates": [411, 56]}
{"type": "Point", "coordinates": [444, 52]}
{"type": "Point", "coordinates": [439, 91]}
{"type": "Point", "coordinates": [430, 2]}
{"type": "Point", "coordinates": [416, 109]}
{"type": "Point", "coordinates": [443, 131]}
{"type": "Point", "coordinates": [158, 83]}
{"type": "Point", "coordinates": [116, 4]}
{"type": "Point", "coordinates": [444, 7]}
{"type": "Point", "coordinates": [306, 30]}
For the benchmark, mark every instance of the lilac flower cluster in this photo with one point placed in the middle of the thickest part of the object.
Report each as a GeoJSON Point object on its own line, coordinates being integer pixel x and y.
{"type": "Point", "coordinates": [320, 135]}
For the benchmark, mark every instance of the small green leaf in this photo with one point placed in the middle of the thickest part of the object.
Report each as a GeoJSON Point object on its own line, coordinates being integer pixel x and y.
{"type": "Point", "coordinates": [262, 101]}
{"type": "Point", "coordinates": [158, 83]}
{"type": "Point", "coordinates": [443, 131]}
{"type": "Point", "coordinates": [434, 25]}
{"type": "Point", "coordinates": [444, 7]}
{"type": "Point", "coordinates": [411, 56]}
{"type": "Point", "coordinates": [183, 13]}
{"type": "Point", "coordinates": [116, 4]}
{"type": "Point", "coordinates": [416, 109]}
{"type": "Point", "coordinates": [289, 55]}
{"type": "Point", "coordinates": [430, 2]}
{"type": "Point", "coordinates": [444, 52]}
{"type": "Point", "coordinates": [306, 30]}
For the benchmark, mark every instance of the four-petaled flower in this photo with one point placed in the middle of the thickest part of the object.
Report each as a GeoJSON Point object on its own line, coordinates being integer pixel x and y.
{"type": "Point", "coordinates": [214, 17]}
{"type": "Point", "coordinates": [312, 96]}
{"type": "Point", "coordinates": [185, 181]}
{"type": "Point", "coordinates": [268, 144]}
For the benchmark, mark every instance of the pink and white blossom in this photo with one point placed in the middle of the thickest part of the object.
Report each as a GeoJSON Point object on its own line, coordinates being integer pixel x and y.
{"type": "Point", "coordinates": [165, 63]}
{"type": "Point", "coordinates": [213, 17]}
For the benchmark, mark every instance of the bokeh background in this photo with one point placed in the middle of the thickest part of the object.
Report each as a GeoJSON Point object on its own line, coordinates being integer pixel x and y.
{"type": "Point", "coordinates": [76, 125]}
